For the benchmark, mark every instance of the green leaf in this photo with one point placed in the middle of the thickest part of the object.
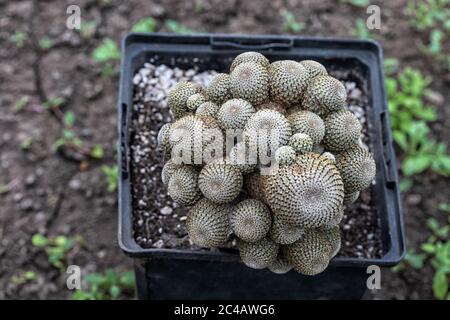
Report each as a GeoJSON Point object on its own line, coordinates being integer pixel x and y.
{"type": "Point", "coordinates": [19, 38]}
{"type": "Point", "coordinates": [68, 134]}
{"type": "Point", "coordinates": [291, 24]}
{"type": "Point", "coordinates": [45, 43]}
{"type": "Point", "coordinates": [444, 207]}
{"type": "Point", "coordinates": [428, 247]}
{"type": "Point", "coordinates": [415, 260]}
{"type": "Point", "coordinates": [416, 164]}
{"type": "Point", "coordinates": [361, 30]}
{"type": "Point", "coordinates": [390, 66]}
{"type": "Point", "coordinates": [400, 139]}
{"type": "Point", "coordinates": [21, 103]}
{"type": "Point", "coordinates": [357, 3]}
{"type": "Point", "coordinates": [97, 151]}
{"type": "Point", "coordinates": [440, 284]}
{"type": "Point", "coordinates": [405, 184]}
{"type": "Point", "coordinates": [114, 291]}
{"type": "Point", "coordinates": [87, 29]}
{"type": "Point", "coordinates": [106, 51]}
{"type": "Point", "coordinates": [39, 240]}
{"type": "Point", "coordinates": [145, 25]}
{"type": "Point", "coordinates": [128, 279]}
{"type": "Point", "coordinates": [54, 102]}
{"type": "Point", "coordinates": [175, 27]}
{"type": "Point", "coordinates": [69, 118]}
{"type": "Point", "coordinates": [432, 224]}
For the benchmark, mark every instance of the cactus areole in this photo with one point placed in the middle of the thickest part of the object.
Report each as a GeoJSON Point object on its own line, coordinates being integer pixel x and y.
{"type": "Point", "coordinates": [268, 154]}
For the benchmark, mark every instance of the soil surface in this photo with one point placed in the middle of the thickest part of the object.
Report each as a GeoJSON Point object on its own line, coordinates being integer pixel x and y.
{"type": "Point", "coordinates": [65, 192]}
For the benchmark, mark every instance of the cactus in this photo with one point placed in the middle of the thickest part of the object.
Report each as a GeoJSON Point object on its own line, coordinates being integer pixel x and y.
{"type": "Point", "coordinates": [290, 217]}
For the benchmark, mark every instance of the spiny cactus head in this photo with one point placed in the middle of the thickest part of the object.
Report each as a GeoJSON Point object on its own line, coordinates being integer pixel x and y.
{"type": "Point", "coordinates": [169, 168]}
{"type": "Point", "coordinates": [258, 255]}
{"type": "Point", "coordinates": [285, 155]}
{"type": "Point", "coordinates": [284, 233]}
{"type": "Point", "coordinates": [267, 129]}
{"type": "Point", "coordinates": [163, 139]}
{"type": "Point", "coordinates": [288, 80]}
{"type": "Point", "coordinates": [220, 181]}
{"type": "Point", "coordinates": [351, 197]}
{"type": "Point", "coordinates": [218, 90]}
{"type": "Point", "coordinates": [357, 168]}
{"type": "Point", "coordinates": [235, 113]}
{"type": "Point", "coordinates": [250, 56]}
{"type": "Point", "coordinates": [342, 128]}
{"type": "Point", "coordinates": [207, 223]}
{"type": "Point", "coordinates": [250, 81]}
{"type": "Point", "coordinates": [333, 236]}
{"type": "Point", "coordinates": [308, 123]}
{"type": "Point", "coordinates": [314, 68]}
{"type": "Point", "coordinates": [250, 220]}
{"type": "Point", "coordinates": [253, 187]}
{"type": "Point", "coordinates": [306, 193]}
{"type": "Point", "coordinates": [338, 215]}
{"type": "Point", "coordinates": [183, 186]}
{"type": "Point", "coordinates": [311, 254]}
{"type": "Point", "coordinates": [324, 95]}
{"type": "Point", "coordinates": [301, 143]}
{"type": "Point", "coordinates": [280, 266]}
{"type": "Point", "coordinates": [329, 156]}
{"type": "Point", "coordinates": [272, 105]}
{"type": "Point", "coordinates": [194, 101]}
{"type": "Point", "coordinates": [208, 108]}
{"type": "Point", "coordinates": [178, 96]}
{"type": "Point", "coordinates": [243, 157]}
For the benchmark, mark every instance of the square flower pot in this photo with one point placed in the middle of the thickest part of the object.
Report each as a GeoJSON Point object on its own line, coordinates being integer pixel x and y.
{"type": "Point", "coordinates": [199, 274]}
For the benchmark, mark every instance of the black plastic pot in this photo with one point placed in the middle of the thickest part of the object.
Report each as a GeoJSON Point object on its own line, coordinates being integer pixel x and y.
{"type": "Point", "coordinates": [189, 274]}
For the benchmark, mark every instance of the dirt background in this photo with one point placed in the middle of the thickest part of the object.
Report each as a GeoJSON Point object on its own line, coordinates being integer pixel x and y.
{"type": "Point", "coordinates": [65, 193]}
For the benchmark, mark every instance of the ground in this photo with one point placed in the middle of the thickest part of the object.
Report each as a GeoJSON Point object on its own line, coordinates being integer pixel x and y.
{"type": "Point", "coordinates": [65, 192]}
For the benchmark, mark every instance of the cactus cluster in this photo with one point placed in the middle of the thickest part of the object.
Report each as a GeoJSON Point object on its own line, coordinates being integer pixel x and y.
{"type": "Point", "coordinates": [280, 183]}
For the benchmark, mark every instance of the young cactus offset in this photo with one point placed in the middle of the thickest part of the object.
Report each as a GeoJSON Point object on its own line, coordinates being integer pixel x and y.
{"type": "Point", "coordinates": [292, 113]}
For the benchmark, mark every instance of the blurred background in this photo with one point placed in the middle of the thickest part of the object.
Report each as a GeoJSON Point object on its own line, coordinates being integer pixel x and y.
{"type": "Point", "coordinates": [58, 91]}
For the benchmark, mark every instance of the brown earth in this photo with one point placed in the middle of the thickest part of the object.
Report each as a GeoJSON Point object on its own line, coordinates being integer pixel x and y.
{"type": "Point", "coordinates": [65, 192]}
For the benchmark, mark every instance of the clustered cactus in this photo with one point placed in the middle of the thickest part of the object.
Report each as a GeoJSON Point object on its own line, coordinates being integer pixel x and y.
{"type": "Point", "coordinates": [286, 217]}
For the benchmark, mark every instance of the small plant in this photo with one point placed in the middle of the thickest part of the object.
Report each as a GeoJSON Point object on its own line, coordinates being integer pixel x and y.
{"type": "Point", "coordinates": [70, 139]}
{"type": "Point", "coordinates": [290, 24]}
{"type": "Point", "coordinates": [106, 286]}
{"type": "Point", "coordinates": [356, 3]}
{"type": "Point", "coordinates": [412, 259]}
{"type": "Point", "coordinates": [25, 277]}
{"type": "Point", "coordinates": [361, 30]}
{"type": "Point", "coordinates": [21, 103]}
{"type": "Point", "coordinates": [26, 143]}
{"type": "Point", "coordinates": [45, 43]}
{"type": "Point", "coordinates": [19, 38]}
{"type": "Point", "coordinates": [176, 27]}
{"type": "Point", "coordinates": [54, 102]}
{"type": "Point", "coordinates": [145, 25]}
{"type": "Point", "coordinates": [111, 173]}
{"type": "Point", "coordinates": [409, 122]}
{"type": "Point", "coordinates": [106, 51]}
{"type": "Point", "coordinates": [432, 17]}
{"type": "Point", "coordinates": [56, 248]}
{"type": "Point", "coordinates": [87, 29]}
{"type": "Point", "coordinates": [426, 14]}
{"type": "Point", "coordinates": [97, 152]}
{"type": "Point", "coordinates": [438, 247]}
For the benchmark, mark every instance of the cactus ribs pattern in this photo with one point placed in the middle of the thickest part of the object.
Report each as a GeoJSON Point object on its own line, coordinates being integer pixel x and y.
{"type": "Point", "coordinates": [288, 219]}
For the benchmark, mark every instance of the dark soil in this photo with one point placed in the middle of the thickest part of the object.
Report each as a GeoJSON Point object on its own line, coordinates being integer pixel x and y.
{"type": "Point", "coordinates": [65, 193]}
{"type": "Point", "coordinates": [159, 221]}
